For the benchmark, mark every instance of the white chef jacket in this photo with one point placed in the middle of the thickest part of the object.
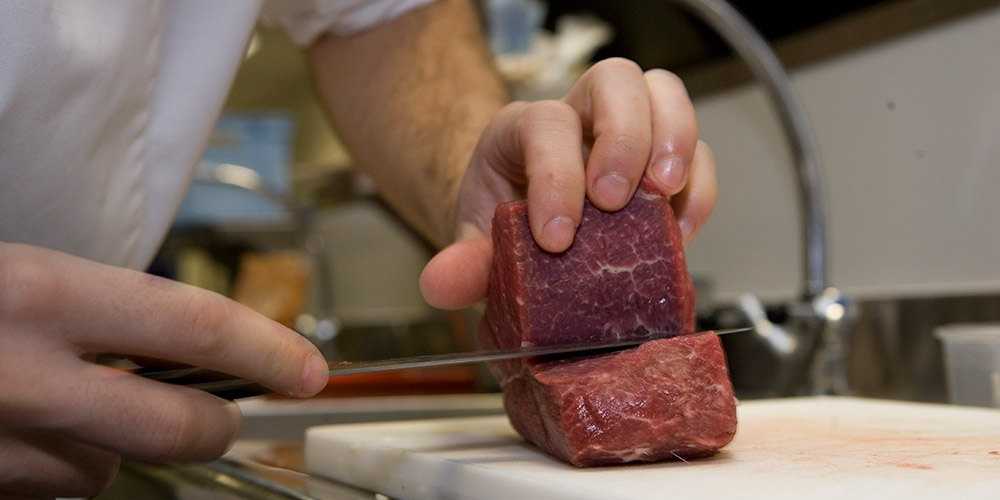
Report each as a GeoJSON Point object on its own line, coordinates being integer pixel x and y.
{"type": "Point", "coordinates": [107, 105]}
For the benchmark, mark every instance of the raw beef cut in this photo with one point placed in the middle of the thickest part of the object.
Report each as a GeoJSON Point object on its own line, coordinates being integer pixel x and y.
{"type": "Point", "coordinates": [625, 274]}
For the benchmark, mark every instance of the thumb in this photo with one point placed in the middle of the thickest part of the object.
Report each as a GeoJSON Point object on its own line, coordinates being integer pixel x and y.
{"type": "Point", "coordinates": [458, 275]}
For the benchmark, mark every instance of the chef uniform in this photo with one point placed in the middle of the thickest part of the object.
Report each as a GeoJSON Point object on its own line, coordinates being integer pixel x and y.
{"type": "Point", "coordinates": [106, 107]}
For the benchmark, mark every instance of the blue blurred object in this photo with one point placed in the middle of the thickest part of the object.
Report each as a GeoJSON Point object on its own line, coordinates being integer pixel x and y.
{"type": "Point", "coordinates": [511, 24]}
{"type": "Point", "coordinates": [259, 141]}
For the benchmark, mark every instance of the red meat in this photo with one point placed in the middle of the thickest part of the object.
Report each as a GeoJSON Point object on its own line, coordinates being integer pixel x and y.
{"type": "Point", "coordinates": [625, 274]}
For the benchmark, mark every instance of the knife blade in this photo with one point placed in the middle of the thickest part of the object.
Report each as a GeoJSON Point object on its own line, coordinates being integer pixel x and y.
{"type": "Point", "coordinates": [229, 387]}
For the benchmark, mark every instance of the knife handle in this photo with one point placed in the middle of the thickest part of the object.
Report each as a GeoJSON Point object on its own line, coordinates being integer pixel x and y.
{"type": "Point", "coordinates": [220, 384]}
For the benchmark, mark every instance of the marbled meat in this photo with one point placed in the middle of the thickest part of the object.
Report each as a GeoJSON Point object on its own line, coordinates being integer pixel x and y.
{"type": "Point", "coordinates": [625, 274]}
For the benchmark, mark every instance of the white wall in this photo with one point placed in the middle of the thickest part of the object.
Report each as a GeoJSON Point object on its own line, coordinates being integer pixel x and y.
{"type": "Point", "coordinates": [909, 133]}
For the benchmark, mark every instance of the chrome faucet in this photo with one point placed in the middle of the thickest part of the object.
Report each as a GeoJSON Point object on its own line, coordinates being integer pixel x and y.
{"type": "Point", "coordinates": [814, 339]}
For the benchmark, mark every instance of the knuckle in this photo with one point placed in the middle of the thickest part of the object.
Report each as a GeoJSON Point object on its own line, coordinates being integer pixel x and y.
{"type": "Point", "coordinates": [173, 438]}
{"type": "Point", "coordinates": [547, 121]}
{"type": "Point", "coordinates": [562, 177]}
{"type": "Point", "coordinates": [550, 109]}
{"type": "Point", "coordinates": [200, 324]}
{"type": "Point", "coordinates": [181, 436]}
{"type": "Point", "coordinates": [510, 112]}
{"type": "Point", "coordinates": [618, 65]}
{"type": "Point", "coordinates": [665, 77]}
{"type": "Point", "coordinates": [26, 286]}
{"type": "Point", "coordinates": [513, 108]}
{"type": "Point", "coordinates": [624, 147]}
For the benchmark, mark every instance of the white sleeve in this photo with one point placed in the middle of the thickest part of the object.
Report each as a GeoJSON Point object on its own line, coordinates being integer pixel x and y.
{"type": "Point", "coordinates": [306, 20]}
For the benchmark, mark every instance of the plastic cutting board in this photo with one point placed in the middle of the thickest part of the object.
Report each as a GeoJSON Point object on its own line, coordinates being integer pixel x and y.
{"type": "Point", "coordinates": [812, 448]}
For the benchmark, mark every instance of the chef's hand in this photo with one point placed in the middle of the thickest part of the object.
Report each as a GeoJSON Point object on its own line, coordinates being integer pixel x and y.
{"type": "Point", "coordinates": [65, 422]}
{"type": "Point", "coordinates": [615, 125]}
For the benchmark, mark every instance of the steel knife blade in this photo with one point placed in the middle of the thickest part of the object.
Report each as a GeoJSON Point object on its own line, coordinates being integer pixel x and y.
{"type": "Point", "coordinates": [230, 387]}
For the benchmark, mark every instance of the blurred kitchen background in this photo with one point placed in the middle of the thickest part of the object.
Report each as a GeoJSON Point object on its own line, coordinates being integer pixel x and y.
{"type": "Point", "coordinates": [902, 101]}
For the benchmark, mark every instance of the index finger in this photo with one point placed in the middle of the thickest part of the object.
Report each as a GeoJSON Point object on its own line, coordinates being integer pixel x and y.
{"type": "Point", "coordinates": [101, 308]}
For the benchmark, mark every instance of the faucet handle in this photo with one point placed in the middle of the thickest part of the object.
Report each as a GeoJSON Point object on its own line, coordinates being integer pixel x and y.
{"type": "Point", "coordinates": [776, 337]}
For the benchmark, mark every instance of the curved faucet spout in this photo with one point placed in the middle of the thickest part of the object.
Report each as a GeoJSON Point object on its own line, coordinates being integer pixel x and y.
{"type": "Point", "coordinates": [821, 323]}
{"type": "Point", "coordinates": [751, 47]}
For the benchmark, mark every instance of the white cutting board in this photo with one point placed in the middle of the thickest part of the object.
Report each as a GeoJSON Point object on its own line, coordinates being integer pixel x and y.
{"type": "Point", "coordinates": [815, 448]}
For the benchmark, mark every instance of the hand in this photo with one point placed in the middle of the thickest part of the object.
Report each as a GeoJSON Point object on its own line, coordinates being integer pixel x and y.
{"type": "Point", "coordinates": [616, 125]}
{"type": "Point", "coordinates": [65, 422]}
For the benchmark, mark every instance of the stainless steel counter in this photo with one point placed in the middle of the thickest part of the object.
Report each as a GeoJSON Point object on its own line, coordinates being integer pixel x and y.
{"type": "Point", "coordinates": [267, 463]}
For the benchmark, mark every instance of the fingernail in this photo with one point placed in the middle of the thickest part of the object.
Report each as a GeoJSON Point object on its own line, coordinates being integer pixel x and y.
{"type": "Point", "coordinates": [613, 189]}
{"type": "Point", "coordinates": [669, 173]}
{"type": "Point", "coordinates": [558, 233]}
{"type": "Point", "coordinates": [314, 377]}
{"type": "Point", "coordinates": [685, 227]}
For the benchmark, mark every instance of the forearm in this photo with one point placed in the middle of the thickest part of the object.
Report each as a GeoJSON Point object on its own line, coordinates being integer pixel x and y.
{"type": "Point", "coordinates": [409, 99]}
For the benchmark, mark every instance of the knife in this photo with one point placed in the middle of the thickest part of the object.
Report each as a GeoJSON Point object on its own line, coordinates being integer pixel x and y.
{"type": "Point", "coordinates": [230, 387]}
